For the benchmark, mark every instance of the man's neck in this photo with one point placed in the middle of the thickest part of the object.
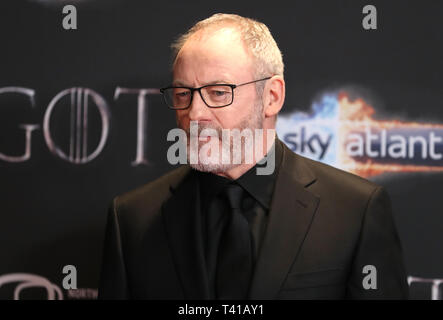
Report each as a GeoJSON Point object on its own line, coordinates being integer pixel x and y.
{"type": "Point", "coordinates": [237, 171]}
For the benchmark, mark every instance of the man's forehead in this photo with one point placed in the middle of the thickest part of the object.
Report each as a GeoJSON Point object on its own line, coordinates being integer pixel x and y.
{"type": "Point", "coordinates": [226, 39]}
{"type": "Point", "coordinates": [218, 80]}
{"type": "Point", "coordinates": [202, 74]}
{"type": "Point", "coordinates": [215, 57]}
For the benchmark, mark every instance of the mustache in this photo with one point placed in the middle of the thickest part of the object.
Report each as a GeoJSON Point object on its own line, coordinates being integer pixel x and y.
{"type": "Point", "coordinates": [202, 127]}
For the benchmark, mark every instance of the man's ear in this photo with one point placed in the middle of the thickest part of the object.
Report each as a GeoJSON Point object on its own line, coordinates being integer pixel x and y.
{"type": "Point", "coordinates": [273, 96]}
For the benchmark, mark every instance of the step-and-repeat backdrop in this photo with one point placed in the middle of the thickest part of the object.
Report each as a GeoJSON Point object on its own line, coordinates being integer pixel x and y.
{"type": "Point", "coordinates": [82, 120]}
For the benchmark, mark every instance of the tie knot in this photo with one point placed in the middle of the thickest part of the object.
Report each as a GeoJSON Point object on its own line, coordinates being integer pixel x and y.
{"type": "Point", "coordinates": [234, 194]}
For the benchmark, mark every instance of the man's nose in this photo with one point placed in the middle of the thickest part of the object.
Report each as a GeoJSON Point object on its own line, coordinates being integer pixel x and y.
{"type": "Point", "coordinates": [198, 110]}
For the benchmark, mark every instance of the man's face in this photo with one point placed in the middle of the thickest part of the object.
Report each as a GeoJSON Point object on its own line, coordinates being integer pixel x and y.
{"type": "Point", "coordinates": [218, 57]}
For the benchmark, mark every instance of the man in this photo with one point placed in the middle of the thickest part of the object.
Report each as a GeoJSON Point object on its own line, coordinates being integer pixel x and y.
{"type": "Point", "coordinates": [215, 230]}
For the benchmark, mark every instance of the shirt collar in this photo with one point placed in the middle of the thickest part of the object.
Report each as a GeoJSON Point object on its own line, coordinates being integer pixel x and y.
{"type": "Point", "coordinates": [260, 187]}
{"type": "Point", "coordinates": [211, 184]}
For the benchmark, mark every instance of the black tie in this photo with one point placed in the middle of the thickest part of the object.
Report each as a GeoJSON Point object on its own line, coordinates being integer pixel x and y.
{"type": "Point", "coordinates": [234, 263]}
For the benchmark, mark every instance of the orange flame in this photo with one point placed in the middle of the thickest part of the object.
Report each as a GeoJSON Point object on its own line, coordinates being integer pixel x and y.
{"type": "Point", "coordinates": [357, 114]}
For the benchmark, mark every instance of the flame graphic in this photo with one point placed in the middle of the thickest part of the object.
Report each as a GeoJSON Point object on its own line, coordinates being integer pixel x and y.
{"type": "Point", "coordinates": [344, 133]}
{"type": "Point", "coordinates": [357, 114]}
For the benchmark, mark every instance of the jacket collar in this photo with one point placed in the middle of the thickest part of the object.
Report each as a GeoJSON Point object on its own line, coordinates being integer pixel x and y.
{"type": "Point", "coordinates": [291, 213]}
{"type": "Point", "coordinates": [292, 210]}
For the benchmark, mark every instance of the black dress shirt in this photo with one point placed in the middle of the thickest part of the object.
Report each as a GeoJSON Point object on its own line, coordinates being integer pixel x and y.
{"type": "Point", "coordinates": [256, 200]}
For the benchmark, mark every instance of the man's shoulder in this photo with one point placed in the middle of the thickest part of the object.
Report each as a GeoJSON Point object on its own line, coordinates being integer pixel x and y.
{"type": "Point", "coordinates": [346, 194]}
{"type": "Point", "coordinates": [153, 193]}
{"type": "Point", "coordinates": [329, 178]}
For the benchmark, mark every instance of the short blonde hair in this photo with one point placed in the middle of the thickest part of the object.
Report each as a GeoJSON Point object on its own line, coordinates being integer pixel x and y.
{"type": "Point", "coordinates": [254, 34]}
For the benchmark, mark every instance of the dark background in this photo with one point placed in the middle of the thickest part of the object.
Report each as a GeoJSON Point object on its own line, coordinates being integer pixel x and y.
{"type": "Point", "coordinates": [53, 212]}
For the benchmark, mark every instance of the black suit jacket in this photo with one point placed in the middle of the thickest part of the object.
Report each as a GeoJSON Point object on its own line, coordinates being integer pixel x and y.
{"type": "Point", "coordinates": [324, 226]}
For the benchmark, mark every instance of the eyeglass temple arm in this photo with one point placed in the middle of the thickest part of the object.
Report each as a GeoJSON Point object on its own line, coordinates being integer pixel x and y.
{"type": "Point", "coordinates": [243, 84]}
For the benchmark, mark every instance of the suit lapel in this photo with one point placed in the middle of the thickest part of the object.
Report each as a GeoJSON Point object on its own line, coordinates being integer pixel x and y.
{"type": "Point", "coordinates": [181, 214]}
{"type": "Point", "coordinates": [291, 213]}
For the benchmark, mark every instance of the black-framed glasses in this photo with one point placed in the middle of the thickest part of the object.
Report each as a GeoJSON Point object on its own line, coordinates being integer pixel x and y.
{"type": "Point", "coordinates": [213, 95]}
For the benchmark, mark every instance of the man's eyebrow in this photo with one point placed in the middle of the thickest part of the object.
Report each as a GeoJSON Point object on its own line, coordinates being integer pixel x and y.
{"type": "Point", "coordinates": [178, 83]}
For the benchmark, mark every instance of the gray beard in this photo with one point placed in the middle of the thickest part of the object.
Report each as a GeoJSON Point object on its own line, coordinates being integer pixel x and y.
{"type": "Point", "coordinates": [251, 123]}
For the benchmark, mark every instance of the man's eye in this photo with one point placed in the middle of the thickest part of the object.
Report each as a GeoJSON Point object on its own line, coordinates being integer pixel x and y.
{"type": "Point", "coordinates": [219, 93]}
{"type": "Point", "coordinates": [182, 94]}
